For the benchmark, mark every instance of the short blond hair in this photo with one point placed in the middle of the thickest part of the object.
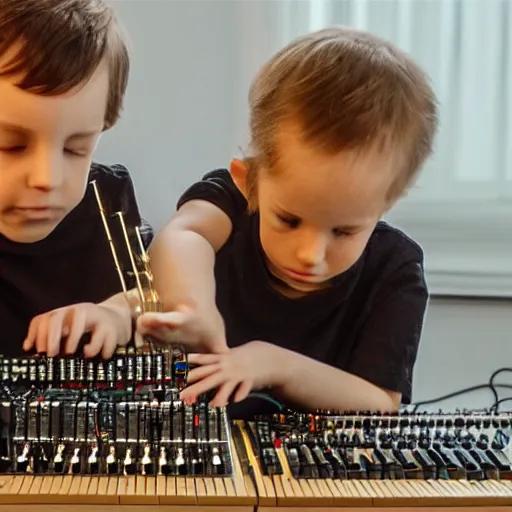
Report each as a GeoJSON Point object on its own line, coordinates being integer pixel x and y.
{"type": "Point", "coordinates": [61, 44]}
{"type": "Point", "coordinates": [346, 89]}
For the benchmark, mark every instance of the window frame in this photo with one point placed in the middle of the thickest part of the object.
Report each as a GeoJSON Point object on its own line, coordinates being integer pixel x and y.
{"type": "Point", "coordinates": [471, 254]}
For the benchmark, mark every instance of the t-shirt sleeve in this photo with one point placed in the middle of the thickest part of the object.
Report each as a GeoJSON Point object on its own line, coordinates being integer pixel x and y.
{"type": "Point", "coordinates": [146, 233]}
{"type": "Point", "coordinates": [118, 195]}
{"type": "Point", "coordinates": [387, 347]}
{"type": "Point", "coordinates": [218, 188]}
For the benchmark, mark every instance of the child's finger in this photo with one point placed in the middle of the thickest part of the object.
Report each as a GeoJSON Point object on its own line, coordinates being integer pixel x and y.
{"type": "Point", "coordinates": [204, 385]}
{"type": "Point", "coordinates": [77, 318]}
{"type": "Point", "coordinates": [243, 391]}
{"type": "Point", "coordinates": [48, 337]}
{"type": "Point", "coordinates": [139, 340]}
{"type": "Point", "coordinates": [201, 372]}
{"type": "Point", "coordinates": [30, 340]}
{"type": "Point", "coordinates": [109, 345]}
{"type": "Point", "coordinates": [172, 320]}
{"type": "Point", "coordinates": [167, 334]}
{"type": "Point", "coordinates": [97, 342]}
{"type": "Point", "coordinates": [202, 359]}
{"type": "Point", "coordinates": [221, 398]}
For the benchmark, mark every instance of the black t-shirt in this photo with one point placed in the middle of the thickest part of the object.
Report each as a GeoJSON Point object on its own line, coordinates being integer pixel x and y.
{"type": "Point", "coordinates": [367, 323]}
{"type": "Point", "coordinates": [73, 264]}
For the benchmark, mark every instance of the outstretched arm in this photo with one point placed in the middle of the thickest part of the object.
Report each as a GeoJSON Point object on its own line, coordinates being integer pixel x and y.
{"type": "Point", "coordinates": [182, 260]}
{"type": "Point", "coordinates": [182, 255]}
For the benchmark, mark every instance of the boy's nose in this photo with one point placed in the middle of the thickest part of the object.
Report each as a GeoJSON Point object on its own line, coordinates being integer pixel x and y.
{"type": "Point", "coordinates": [45, 172]}
{"type": "Point", "coordinates": [312, 250]}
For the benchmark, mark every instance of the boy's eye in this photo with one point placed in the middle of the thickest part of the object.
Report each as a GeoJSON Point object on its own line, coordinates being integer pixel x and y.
{"type": "Point", "coordinates": [74, 152]}
{"type": "Point", "coordinates": [291, 222]}
{"type": "Point", "coordinates": [13, 149]}
{"type": "Point", "coordinates": [337, 232]}
{"type": "Point", "coordinates": [18, 149]}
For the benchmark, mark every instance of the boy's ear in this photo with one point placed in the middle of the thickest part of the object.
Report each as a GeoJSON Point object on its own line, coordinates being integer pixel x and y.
{"type": "Point", "coordinates": [238, 171]}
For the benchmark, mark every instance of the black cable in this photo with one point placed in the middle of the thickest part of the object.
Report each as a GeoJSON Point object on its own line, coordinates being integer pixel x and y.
{"type": "Point", "coordinates": [490, 386]}
{"type": "Point", "coordinates": [496, 404]}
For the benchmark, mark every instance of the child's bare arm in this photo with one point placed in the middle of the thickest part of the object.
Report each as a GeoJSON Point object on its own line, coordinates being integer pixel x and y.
{"type": "Point", "coordinates": [182, 259]}
{"type": "Point", "coordinates": [294, 378]}
{"type": "Point", "coordinates": [316, 385]}
{"type": "Point", "coordinates": [183, 254]}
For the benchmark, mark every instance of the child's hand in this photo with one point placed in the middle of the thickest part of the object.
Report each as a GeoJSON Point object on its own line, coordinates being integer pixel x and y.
{"type": "Point", "coordinates": [109, 328]}
{"type": "Point", "coordinates": [197, 331]}
{"type": "Point", "coordinates": [251, 366]}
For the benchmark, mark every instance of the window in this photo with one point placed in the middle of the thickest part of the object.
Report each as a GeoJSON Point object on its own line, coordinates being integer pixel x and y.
{"type": "Point", "coordinates": [460, 211]}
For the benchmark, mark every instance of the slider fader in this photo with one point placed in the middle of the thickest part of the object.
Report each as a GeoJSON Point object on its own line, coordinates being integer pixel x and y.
{"type": "Point", "coordinates": [464, 446]}
{"type": "Point", "coordinates": [122, 416]}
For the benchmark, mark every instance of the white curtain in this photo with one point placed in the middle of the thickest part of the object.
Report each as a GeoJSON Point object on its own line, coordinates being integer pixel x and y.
{"type": "Point", "coordinates": [461, 209]}
{"type": "Point", "coordinates": [465, 46]}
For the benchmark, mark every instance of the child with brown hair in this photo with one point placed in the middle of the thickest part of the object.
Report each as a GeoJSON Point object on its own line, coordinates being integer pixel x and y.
{"type": "Point", "coordinates": [64, 68]}
{"type": "Point", "coordinates": [280, 269]}
{"type": "Point", "coordinates": [320, 301]}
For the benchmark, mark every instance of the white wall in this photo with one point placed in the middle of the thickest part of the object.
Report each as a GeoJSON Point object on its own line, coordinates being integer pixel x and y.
{"type": "Point", "coordinates": [185, 114]}
{"type": "Point", "coordinates": [463, 342]}
{"type": "Point", "coordinates": [179, 118]}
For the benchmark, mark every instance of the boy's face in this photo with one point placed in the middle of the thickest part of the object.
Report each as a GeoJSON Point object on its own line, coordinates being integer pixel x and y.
{"type": "Point", "coordinates": [46, 148]}
{"type": "Point", "coordinates": [317, 211]}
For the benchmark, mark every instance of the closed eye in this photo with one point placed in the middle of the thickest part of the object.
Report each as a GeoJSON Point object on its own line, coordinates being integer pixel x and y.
{"type": "Point", "coordinates": [73, 152]}
{"type": "Point", "coordinates": [339, 232]}
{"type": "Point", "coordinates": [291, 222]}
{"type": "Point", "coordinates": [13, 149]}
{"type": "Point", "coordinates": [19, 149]}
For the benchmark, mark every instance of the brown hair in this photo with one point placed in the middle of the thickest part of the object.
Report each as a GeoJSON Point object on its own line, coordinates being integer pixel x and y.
{"type": "Point", "coordinates": [345, 89]}
{"type": "Point", "coordinates": [61, 44]}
